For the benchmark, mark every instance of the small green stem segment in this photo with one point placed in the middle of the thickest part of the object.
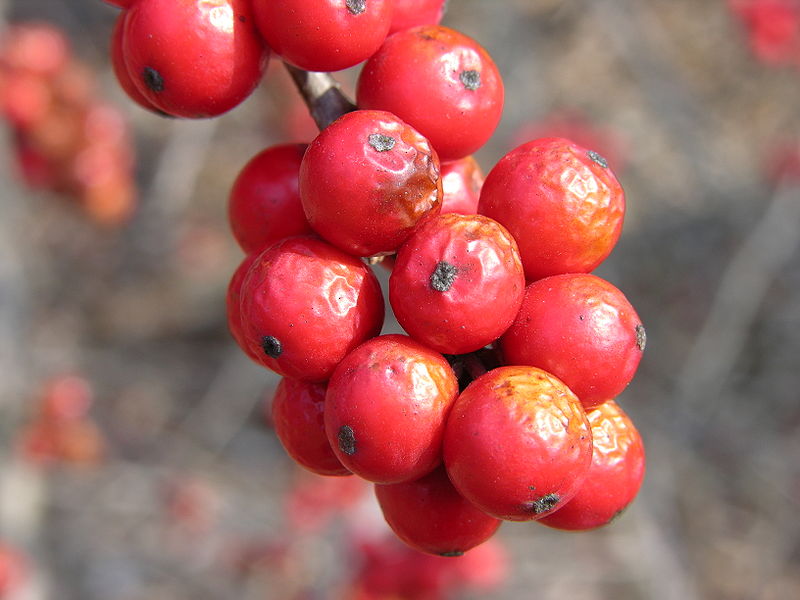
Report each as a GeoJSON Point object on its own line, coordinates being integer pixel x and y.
{"type": "Point", "coordinates": [325, 100]}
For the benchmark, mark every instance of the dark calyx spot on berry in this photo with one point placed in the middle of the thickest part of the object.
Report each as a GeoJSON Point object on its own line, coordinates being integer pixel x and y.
{"type": "Point", "coordinates": [356, 7]}
{"type": "Point", "coordinates": [443, 276]}
{"type": "Point", "coordinates": [453, 553]}
{"type": "Point", "coordinates": [470, 79]}
{"type": "Point", "coordinates": [641, 337]}
{"type": "Point", "coordinates": [600, 160]}
{"type": "Point", "coordinates": [545, 503]}
{"type": "Point", "coordinates": [347, 440]}
{"type": "Point", "coordinates": [381, 143]}
{"type": "Point", "coordinates": [272, 346]}
{"type": "Point", "coordinates": [153, 79]}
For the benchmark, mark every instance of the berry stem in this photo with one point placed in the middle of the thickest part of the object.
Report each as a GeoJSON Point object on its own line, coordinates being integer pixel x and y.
{"type": "Point", "coordinates": [325, 100]}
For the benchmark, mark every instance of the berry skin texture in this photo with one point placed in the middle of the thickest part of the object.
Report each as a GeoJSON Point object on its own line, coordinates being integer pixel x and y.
{"type": "Point", "coordinates": [386, 407]}
{"type": "Point", "coordinates": [580, 328]}
{"type": "Point", "coordinates": [193, 58]}
{"type": "Point", "coordinates": [429, 515]}
{"type": "Point", "coordinates": [297, 415]}
{"type": "Point", "coordinates": [305, 305]}
{"type": "Point", "coordinates": [461, 186]}
{"type": "Point", "coordinates": [367, 180]}
{"type": "Point", "coordinates": [324, 35]}
{"type": "Point", "coordinates": [457, 282]}
{"type": "Point", "coordinates": [460, 84]}
{"type": "Point", "coordinates": [517, 443]}
{"type": "Point", "coordinates": [614, 477]}
{"type": "Point", "coordinates": [264, 204]}
{"type": "Point", "coordinates": [412, 13]}
{"type": "Point", "coordinates": [560, 201]}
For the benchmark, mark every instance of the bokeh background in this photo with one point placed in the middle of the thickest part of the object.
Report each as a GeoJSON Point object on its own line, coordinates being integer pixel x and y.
{"type": "Point", "coordinates": [170, 485]}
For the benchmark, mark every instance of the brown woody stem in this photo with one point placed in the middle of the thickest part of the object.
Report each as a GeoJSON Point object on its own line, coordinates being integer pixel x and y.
{"type": "Point", "coordinates": [325, 100]}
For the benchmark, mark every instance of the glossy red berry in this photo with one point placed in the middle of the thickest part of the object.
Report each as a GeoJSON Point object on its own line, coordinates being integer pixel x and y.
{"type": "Point", "coordinates": [429, 515]}
{"type": "Point", "coordinates": [386, 407]}
{"type": "Point", "coordinates": [193, 58]}
{"type": "Point", "coordinates": [457, 282]}
{"type": "Point", "coordinates": [460, 84]}
{"type": "Point", "coordinates": [121, 70]}
{"type": "Point", "coordinates": [580, 328]}
{"type": "Point", "coordinates": [517, 443]}
{"type": "Point", "coordinates": [233, 305]}
{"type": "Point", "coordinates": [264, 203]}
{"type": "Point", "coordinates": [324, 35]}
{"type": "Point", "coordinates": [412, 13]}
{"type": "Point", "coordinates": [297, 415]}
{"type": "Point", "coordinates": [461, 186]}
{"type": "Point", "coordinates": [560, 201]}
{"type": "Point", "coordinates": [305, 305]}
{"type": "Point", "coordinates": [614, 477]}
{"type": "Point", "coordinates": [367, 180]}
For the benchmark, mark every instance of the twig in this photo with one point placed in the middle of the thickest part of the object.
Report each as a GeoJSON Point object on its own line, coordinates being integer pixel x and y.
{"type": "Point", "coordinates": [325, 100]}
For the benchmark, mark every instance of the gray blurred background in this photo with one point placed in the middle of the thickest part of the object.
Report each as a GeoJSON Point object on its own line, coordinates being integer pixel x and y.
{"type": "Point", "coordinates": [691, 118]}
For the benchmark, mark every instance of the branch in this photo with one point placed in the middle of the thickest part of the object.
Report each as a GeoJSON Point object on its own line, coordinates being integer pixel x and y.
{"type": "Point", "coordinates": [325, 100]}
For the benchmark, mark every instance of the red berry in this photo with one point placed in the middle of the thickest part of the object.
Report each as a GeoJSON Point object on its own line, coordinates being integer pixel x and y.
{"type": "Point", "coordinates": [264, 204]}
{"type": "Point", "coordinates": [411, 13]}
{"type": "Point", "coordinates": [456, 77]}
{"type": "Point", "coordinates": [560, 201]}
{"type": "Point", "coordinates": [517, 443]}
{"type": "Point", "coordinates": [193, 58]}
{"type": "Point", "coordinates": [457, 283]}
{"type": "Point", "coordinates": [614, 477]}
{"type": "Point", "coordinates": [324, 35]}
{"type": "Point", "coordinates": [121, 70]}
{"type": "Point", "coordinates": [429, 515]}
{"type": "Point", "coordinates": [233, 303]}
{"type": "Point", "coordinates": [305, 305]}
{"type": "Point", "coordinates": [461, 186]}
{"type": "Point", "coordinates": [386, 406]}
{"type": "Point", "coordinates": [297, 415]}
{"type": "Point", "coordinates": [367, 180]}
{"type": "Point", "coordinates": [580, 328]}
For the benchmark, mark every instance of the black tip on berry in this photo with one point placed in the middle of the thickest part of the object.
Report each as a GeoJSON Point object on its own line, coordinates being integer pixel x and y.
{"type": "Point", "coordinates": [272, 346]}
{"type": "Point", "coordinates": [153, 79]}
{"type": "Point", "coordinates": [600, 160]}
{"type": "Point", "coordinates": [641, 337]}
{"type": "Point", "coordinates": [470, 79]}
{"type": "Point", "coordinates": [443, 276]}
{"type": "Point", "coordinates": [381, 143]}
{"type": "Point", "coordinates": [356, 7]}
{"type": "Point", "coordinates": [347, 440]}
{"type": "Point", "coordinates": [452, 553]}
{"type": "Point", "coordinates": [545, 503]}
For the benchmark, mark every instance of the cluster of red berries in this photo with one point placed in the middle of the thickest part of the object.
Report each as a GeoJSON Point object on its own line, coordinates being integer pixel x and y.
{"type": "Point", "coordinates": [65, 139]}
{"type": "Point", "coordinates": [498, 404]}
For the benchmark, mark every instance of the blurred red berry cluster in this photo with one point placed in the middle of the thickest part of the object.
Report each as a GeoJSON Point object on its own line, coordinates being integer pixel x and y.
{"type": "Point", "coordinates": [66, 138]}
{"type": "Point", "coordinates": [773, 29]}
{"type": "Point", "coordinates": [12, 570]}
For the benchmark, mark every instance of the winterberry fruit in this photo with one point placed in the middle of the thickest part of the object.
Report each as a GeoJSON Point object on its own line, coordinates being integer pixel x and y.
{"type": "Point", "coordinates": [386, 407]}
{"type": "Point", "coordinates": [457, 282]}
{"type": "Point", "coordinates": [560, 201]}
{"type": "Point", "coordinates": [580, 328]}
{"type": "Point", "coordinates": [517, 443]}
{"type": "Point", "coordinates": [367, 180]}
{"type": "Point", "coordinates": [264, 204]}
{"type": "Point", "coordinates": [461, 186]}
{"type": "Point", "coordinates": [305, 305]}
{"type": "Point", "coordinates": [614, 477]}
{"type": "Point", "coordinates": [429, 515]}
{"type": "Point", "coordinates": [459, 81]}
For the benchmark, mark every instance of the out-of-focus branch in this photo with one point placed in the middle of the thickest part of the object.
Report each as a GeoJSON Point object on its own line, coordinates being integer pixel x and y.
{"type": "Point", "coordinates": [325, 100]}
